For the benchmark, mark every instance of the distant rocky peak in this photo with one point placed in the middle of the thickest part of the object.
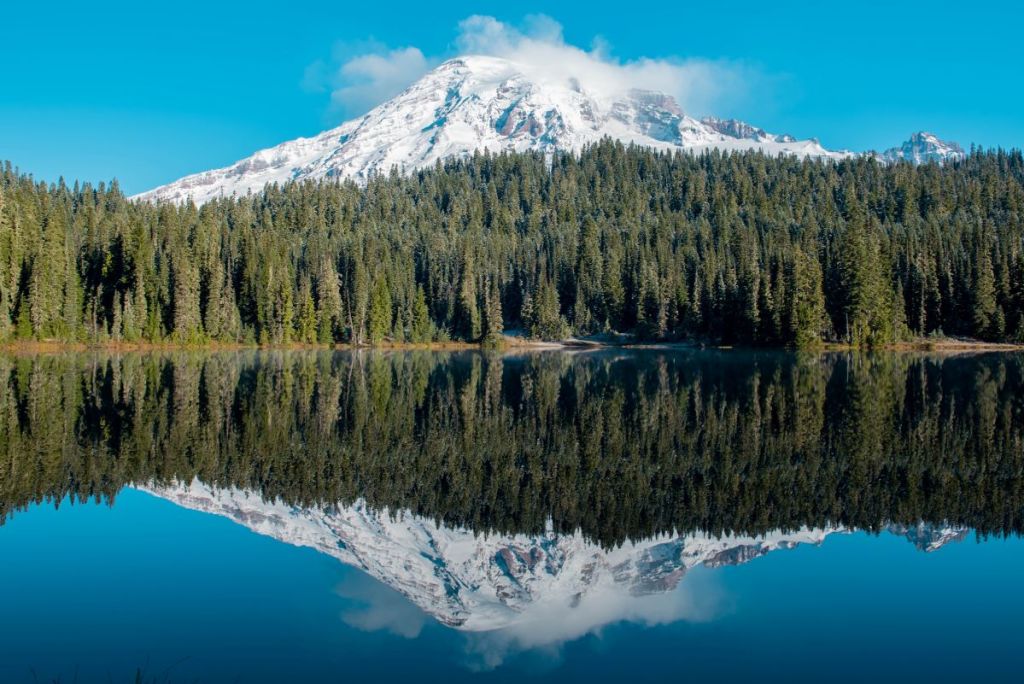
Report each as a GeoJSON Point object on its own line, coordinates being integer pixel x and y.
{"type": "Point", "coordinates": [923, 147]}
{"type": "Point", "coordinates": [741, 130]}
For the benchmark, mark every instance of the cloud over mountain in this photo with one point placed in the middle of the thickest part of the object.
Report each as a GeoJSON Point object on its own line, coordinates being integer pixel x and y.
{"type": "Point", "coordinates": [359, 78]}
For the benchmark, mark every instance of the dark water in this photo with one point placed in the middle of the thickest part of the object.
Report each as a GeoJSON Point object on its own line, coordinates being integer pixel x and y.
{"type": "Point", "coordinates": [269, 517]}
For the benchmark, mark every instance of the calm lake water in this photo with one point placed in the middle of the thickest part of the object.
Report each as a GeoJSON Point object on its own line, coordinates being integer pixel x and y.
{"type": "Point", "coordinates": [335, 517]}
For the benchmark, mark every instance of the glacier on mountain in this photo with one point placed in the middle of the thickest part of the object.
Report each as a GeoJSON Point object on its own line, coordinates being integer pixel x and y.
{"type": "Point", "coordinates": [476, 103]}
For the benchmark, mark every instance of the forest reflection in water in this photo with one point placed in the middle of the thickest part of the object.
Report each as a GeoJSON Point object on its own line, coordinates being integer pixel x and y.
{"type": "Point", "coordinates": [524, 501]}
{"type": "Point", "coordinates": [614, 445]}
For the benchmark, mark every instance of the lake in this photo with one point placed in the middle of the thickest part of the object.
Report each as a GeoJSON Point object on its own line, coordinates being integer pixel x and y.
{"type": "Point", "coordinates": [264, 516]}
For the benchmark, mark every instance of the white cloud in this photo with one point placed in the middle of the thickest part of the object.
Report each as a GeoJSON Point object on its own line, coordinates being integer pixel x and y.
{"type": "Point", "coordinates": [357, 83]}
{"type": "Point", "coordinates": [697, 84]}
{"type": "Point", "coordinates": [377, 607]}
{"type": "Point", "coordinates": [375, 73]}
{"type": "Point", "coordinates": [370, 79]}
{"type": "Point", "coordinates": [546, 626]}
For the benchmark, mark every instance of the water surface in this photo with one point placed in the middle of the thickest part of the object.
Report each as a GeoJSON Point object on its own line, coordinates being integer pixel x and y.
{"type": "Point", "coordinates": [328, 516]}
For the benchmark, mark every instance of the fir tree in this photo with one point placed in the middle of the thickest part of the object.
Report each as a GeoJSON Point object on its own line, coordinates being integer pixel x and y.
{"type": "Point", "coordinates": [493, 323]}
{"type": "Point", "coordinates": [469, 324]}
{"type": "Point", "coordinates": [422, 327]}
{"type": "Point", "coordinates": [808, 318]}
{"type": "Point", "coordinates": [380, 311]}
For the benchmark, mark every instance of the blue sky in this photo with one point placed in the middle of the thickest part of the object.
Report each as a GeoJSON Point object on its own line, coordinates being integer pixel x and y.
{"type": "Point", "coordinates": [148, 92]}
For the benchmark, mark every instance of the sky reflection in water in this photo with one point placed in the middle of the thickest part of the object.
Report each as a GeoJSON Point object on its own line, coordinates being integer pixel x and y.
{"type": "Point", "coordinates": [145, 583]}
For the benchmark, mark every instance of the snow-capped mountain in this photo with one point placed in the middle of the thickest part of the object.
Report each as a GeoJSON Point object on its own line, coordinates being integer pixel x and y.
{"type": "Point", "coordinates": [485, 582]}
{"type": "Point", "coordinates": [475, 103]}
{"type": "Point", "coordinates": [922, 148]}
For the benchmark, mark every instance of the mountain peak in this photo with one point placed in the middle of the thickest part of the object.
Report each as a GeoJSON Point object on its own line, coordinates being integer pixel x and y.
{"type": "Point", "coordinates": [923, 147]}
{"type": "Point", "coordinates": [477, 102]}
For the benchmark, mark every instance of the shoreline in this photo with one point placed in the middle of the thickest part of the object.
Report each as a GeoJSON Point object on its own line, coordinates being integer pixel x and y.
{"type": "Point", "coordinates": [55, 347]}
{"type": "Point", "coordinates": [509, 344]}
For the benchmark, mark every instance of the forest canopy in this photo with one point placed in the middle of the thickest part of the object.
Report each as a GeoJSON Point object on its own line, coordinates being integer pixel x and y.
{"type": "Point", "coordinates": [722, 248]}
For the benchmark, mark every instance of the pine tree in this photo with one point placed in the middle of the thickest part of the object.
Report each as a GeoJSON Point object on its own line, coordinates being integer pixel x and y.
{"type": "Point", "coordinates": [130, 331]}
{"type": "Point", "coordinates": [546, 321]}
{"type": "Point", "coordinates": [360, 302]}
{"type": "Point", "coordinates": [328, 301]}
{"type": "Point", "coordinates": [868, 300]}
{"type": "Point", "coordinates": [469, 323]}
{"type": "Point", "coordinates": [23, 328]}
{"type": "Point", "coordinates": [187, 322]}
{"type": "Point", "coordinates": [422, 326]}
{"type": "Point", "coordinates": [983, 311]}
{"type": "Point", "coordinates": [9, 264]}
{"type": "Point", "coordinates": [493, 323]}
{"type": "Point", "coordinates": [48, 271]}
{"type": "Point", "coordinates": [808, 318]}
{"type": "Point", "coordinates": [380, 311]}
{"type": "Point", "coordinates": [307, 325]}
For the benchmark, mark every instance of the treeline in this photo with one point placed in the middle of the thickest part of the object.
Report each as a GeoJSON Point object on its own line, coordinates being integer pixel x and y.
{"type": "Point", "coordinates": [735, 248]}
{"type": "Point", "coordinates": [616, 446]}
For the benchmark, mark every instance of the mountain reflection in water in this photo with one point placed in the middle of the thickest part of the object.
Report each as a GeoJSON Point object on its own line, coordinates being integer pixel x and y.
{"type": "Point", "coordinates": [496, 491]}
{"type": "Point", "coordinates": [485, 582]}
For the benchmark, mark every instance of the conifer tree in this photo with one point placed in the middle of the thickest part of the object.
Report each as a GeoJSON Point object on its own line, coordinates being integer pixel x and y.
{"type": "Point", "coordinates": [493, 323]}
{"type": "Point", "coordinates": [328, 310]}
{"type": "Point", "coordinates": [546, 321]}
{"type": "Point", "coordinates": [469, 324]}
{"type": "Point", "coordinates": [380, 311]}
{"type": "Point", "coordinates": [48, 271]}
{"type": "Point", "coordinates": [808, 318]}
{"type": "Point", "coordinates": [187, 323]}
{"type": "Point", "coordinates": [422, 327]}
{"type": "Point", "coordinates": [9, 263]}
{"type": "Point", "coordinates": [983, 309]}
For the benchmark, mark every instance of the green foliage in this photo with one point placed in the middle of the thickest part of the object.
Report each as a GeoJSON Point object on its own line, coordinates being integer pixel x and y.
{"type": "Point", "coordinates": [422, 327]}
{"type": "Point", "coordinates": [867, 312]}
{"type": "Point", "coordinates": [468, 321]}
{"type": "Point", "coordinates": [307, 324]}
{"type": "Point", "coordinates": [732, 248]}
{"type": "Point", "coordinates": [493, 320]}
{"type": "Point", "coordinates": [983, 306]}
{"type": "Point", "coordinates": [380, 311]}
{"type": "Point", "coordinates": [809, 321]}
{"type": "Point", "coordinates": [545, 321]}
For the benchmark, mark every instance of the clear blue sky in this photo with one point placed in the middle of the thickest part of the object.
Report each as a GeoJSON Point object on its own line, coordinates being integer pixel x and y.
{"type": "Point", "coordinates": [147, 92]}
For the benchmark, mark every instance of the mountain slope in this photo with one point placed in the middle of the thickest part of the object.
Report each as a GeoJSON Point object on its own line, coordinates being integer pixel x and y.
{"type": "Point", "coordinates": [484, 582]}
{"type": "Point", "coordinates": [475, 103]}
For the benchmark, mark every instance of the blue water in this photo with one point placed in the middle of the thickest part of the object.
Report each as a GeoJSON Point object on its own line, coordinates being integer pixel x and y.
{"type": "Point", "coordinates": [95, 593]}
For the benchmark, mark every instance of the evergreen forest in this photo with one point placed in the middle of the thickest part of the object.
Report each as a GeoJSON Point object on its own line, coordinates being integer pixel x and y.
{"type": "Point", "coordinates": [714, 248]}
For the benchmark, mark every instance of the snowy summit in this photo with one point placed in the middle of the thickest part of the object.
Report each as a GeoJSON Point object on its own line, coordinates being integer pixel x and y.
{"type": "Point", "coordinates": [476, 103]}
{"type": "Point", "coordinates": [922, 148]}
